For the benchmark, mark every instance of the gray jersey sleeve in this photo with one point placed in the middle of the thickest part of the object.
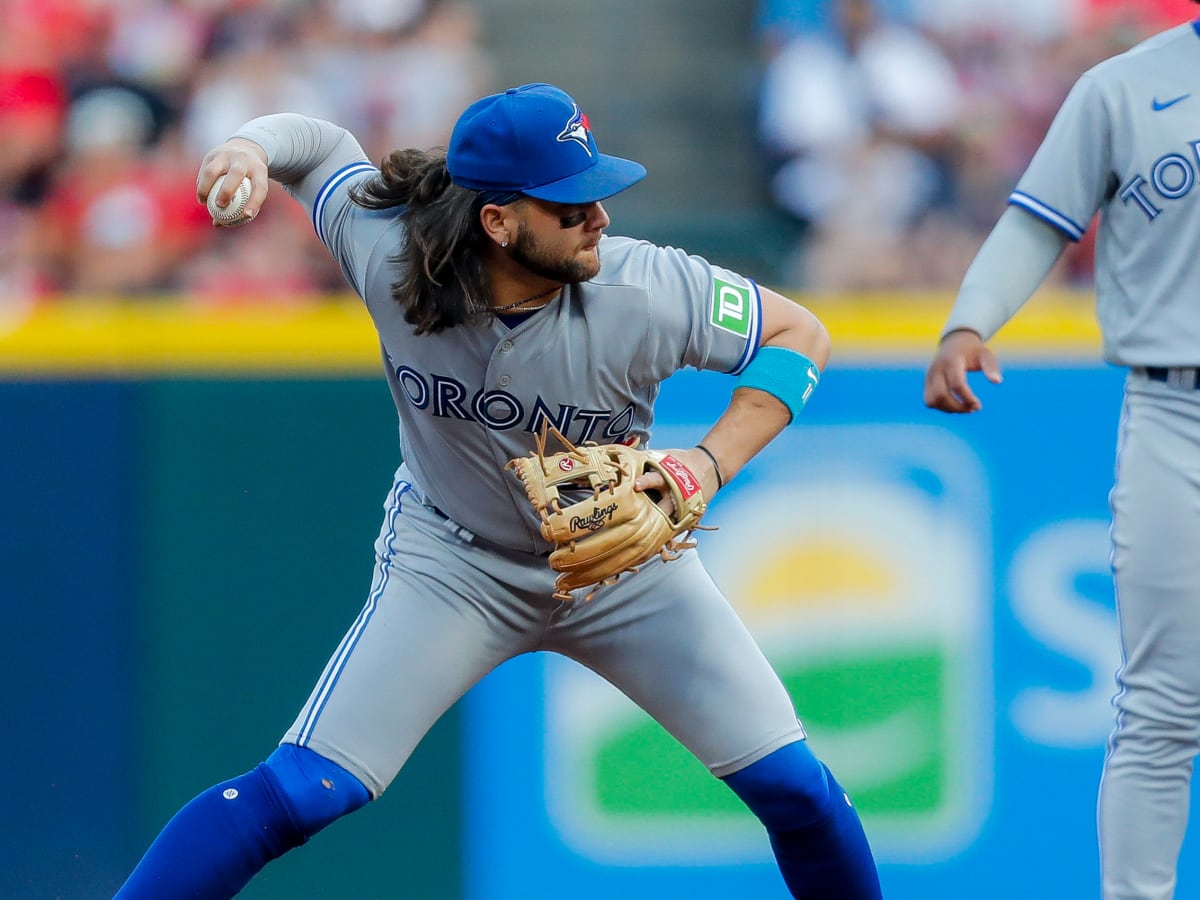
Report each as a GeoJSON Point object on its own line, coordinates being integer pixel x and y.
{"type": "Point", "coordinates": [1013, 261]}
{"type": "Point", "coordinates": [295, 144]}
{"type": "Point", "coordinates": [1064, 185]}
{"type": "Point", "coordinates": [317, 162]}
{"type": "Point", "coordinates": [696, 314]}
{"type": "Point", "coordinates": [1070, 176]}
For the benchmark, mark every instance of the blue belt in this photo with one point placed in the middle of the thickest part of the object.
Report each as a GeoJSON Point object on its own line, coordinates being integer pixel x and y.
{"type": "Point", "coordinates": [1181, 378]}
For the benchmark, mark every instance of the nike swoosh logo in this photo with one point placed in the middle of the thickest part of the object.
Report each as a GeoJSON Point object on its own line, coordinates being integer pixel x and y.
{"type": "Point", "coordinates": [1160, 105]}
{"type": "Point", "coordinates": [813, 378]}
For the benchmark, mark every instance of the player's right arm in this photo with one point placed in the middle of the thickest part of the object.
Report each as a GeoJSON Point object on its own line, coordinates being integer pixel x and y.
{"type": "Point", "coordinates": [1013, 261]}
{"type": "Point", "coordinates": [1068, 179]}
{"type": "Point", "coordinates": [316, 162]}
{"type": "Point", "coordinates": [289, 148]}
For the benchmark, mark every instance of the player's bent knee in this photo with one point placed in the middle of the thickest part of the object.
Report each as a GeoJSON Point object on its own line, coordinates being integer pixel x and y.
{"type": "Point", "coordinates": [316, 791]}
{"type": "Point", "coordinates": [787, 789]}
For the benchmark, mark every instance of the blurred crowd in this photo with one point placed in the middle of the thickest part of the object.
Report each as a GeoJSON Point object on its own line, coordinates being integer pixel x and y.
{"type": "Point", "coordinates": [107, 107]}
{"type": "Point", "coordinates": [894, 130]}
{"type": "Point", "coordinates": [891, 130]}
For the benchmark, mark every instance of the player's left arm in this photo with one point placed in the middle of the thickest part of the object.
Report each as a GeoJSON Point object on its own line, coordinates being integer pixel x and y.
{"type": "Point", "coordinates": [793, 352]}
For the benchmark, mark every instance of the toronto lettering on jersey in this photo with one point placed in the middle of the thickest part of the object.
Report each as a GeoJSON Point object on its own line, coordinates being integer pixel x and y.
{"type": "Point", "coordinates": [448, 398]}
{"type": "Point", "coordinates": [1172, 176]}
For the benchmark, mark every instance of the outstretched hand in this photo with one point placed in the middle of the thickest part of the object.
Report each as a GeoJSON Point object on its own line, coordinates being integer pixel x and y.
{"type": "Point", "coordinates": [236, 158]}
{"type": "Point", "coordinates": [946, 386]}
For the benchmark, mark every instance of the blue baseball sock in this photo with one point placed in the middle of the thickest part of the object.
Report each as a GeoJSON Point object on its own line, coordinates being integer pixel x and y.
{"type": "Point", "coordinates": [220, 839]}
{"type": "Point", "coordinates": [815, 833]}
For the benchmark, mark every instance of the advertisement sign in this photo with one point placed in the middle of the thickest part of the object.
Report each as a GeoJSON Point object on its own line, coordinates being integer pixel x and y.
{"type": "Point", "coordinates": [933, 590]}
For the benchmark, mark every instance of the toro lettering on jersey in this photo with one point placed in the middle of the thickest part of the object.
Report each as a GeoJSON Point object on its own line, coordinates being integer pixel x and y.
{"type": "Point", "coordinates": [498, 410]}
{"type": "Point", "coordinates": [1171, 177]}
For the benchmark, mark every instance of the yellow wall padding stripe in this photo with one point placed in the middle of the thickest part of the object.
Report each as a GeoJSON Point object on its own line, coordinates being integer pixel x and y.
{"type": "Point", "coordinates": [76, 337]}
{"type": "Point", "coordinates": [906, 327]}
{"type": "Point", "coordinates": [172, 337]}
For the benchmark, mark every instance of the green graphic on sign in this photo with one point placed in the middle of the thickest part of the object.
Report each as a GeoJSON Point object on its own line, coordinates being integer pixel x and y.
{"type": "Point", "coordinates": [871, 608]}
{"type": "Point", "coordinates": [644, 771]}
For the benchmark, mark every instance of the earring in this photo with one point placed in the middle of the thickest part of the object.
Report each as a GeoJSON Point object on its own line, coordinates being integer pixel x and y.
{"type": "Point", "coordinates": [504, 243]}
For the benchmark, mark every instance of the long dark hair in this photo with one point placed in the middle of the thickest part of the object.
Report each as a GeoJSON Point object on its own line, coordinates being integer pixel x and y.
{"type": "Point", "coordinates": [443, 282]}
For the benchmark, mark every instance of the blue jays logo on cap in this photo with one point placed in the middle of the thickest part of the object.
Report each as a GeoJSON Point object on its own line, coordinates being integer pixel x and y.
{"type": "Point", "coordinates": [577, 130]}
{"type": "Point", "coordinates": [527, 140]}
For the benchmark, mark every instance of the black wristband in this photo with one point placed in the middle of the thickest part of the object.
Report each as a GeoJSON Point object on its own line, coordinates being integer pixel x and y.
{"type": "Point", "coordinates": [716, 465]}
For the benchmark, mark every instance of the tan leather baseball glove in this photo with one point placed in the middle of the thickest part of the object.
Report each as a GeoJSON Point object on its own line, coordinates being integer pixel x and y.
{"type": "Point", "coordinates": [602, 527]}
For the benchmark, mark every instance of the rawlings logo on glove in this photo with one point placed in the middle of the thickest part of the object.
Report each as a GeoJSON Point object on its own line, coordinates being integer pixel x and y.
{"type": "Point", "coordinates": [595, 520]}
{"type": "Point", "coordinates": [613, 528]}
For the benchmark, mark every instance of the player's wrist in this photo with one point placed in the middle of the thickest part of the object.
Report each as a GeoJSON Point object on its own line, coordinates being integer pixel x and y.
{"type": "Point", "coordinates": [960, 331]}
{"type": "Point", "coordinates": [716, 465]}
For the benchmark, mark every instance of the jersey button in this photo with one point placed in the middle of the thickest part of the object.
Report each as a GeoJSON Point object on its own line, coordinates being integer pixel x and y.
{"type": "Point", "coordinates": [504, 380]}
{"type": "Point", "coordinates": [507, 345]}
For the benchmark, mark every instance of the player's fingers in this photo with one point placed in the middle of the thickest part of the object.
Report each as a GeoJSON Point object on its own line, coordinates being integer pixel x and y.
{"type": "Point", "coordinates": [212, 167]}
{"type": "Point", "coordinates": [252, 166]}
{"type": "Point", "coordinates": [217, 164]}
{"type": "Point", "coordinates": [964, 399]}
{"type": "Point", "coordinates": [259, 184]}
{"type": "Point", "coordinates": [946, 388]}
{"type": "Point", "coordinates": [649, 481]}
{"type": "Point", "coordinates": [989, 366]}
{"type": "Point", "coordinates": [234, 161]}
{"type": "Point", "coordinates": [958, 388]}
{"type": "Point", "coordinates": [654, 484]}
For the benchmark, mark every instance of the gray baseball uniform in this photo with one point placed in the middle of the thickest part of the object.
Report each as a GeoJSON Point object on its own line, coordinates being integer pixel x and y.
{"type": "Point", "coordinates": [1126, 143]}
{"type": "Point", "coordinates": [461, 580]}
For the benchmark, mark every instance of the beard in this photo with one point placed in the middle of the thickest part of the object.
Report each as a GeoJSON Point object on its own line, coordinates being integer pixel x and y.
{"type": "Point", "coordinates": [528, 253]}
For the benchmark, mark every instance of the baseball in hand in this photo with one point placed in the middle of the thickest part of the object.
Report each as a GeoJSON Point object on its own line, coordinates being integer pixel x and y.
{"type": "Point", "coordinates": [231, 216]}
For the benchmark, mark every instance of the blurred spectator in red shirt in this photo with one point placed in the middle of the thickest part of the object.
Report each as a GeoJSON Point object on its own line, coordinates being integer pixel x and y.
{"type": "Point", "coordinates": [117, 219]}
{"type": "Point", "coordinates": [36, 41]}
{"type": "Point", "coordinates": [1147, 15]}
{"type": "Point", "coordinates": [274, 261]}
{"type": "Point", "coordinates": [107, 105]}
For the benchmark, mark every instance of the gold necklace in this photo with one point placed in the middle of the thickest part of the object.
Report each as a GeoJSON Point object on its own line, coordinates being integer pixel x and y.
{"type": "Point", "coordinates": [500, 309]}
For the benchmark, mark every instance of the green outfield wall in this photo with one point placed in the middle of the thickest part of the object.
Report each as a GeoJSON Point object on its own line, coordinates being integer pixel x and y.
{"type": "Point", "coordinates": [181, 548]}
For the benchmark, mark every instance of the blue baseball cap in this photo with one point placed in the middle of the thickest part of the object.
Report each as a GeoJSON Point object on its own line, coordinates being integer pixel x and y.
{"type": "Point", "coordinates": [534, 140]}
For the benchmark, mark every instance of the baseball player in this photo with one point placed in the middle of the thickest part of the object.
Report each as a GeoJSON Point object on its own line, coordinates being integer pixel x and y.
{"type": "Point", "coordinates": [1126, 143]}
{"type": "Point", "coordinates": [502, 309]}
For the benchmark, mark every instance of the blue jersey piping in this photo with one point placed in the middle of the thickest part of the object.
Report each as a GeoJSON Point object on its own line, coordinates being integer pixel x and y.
{"type": "Point", "coordinates": [350, 641]}
{"type": "Point", "coordinates": [330, 185]}
{"type": "Point", "coordinates": [1048, 214]}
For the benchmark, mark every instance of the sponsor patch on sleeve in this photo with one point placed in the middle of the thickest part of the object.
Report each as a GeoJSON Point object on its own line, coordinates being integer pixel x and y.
{"type": "Point", "coordinates": [732, 308]}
